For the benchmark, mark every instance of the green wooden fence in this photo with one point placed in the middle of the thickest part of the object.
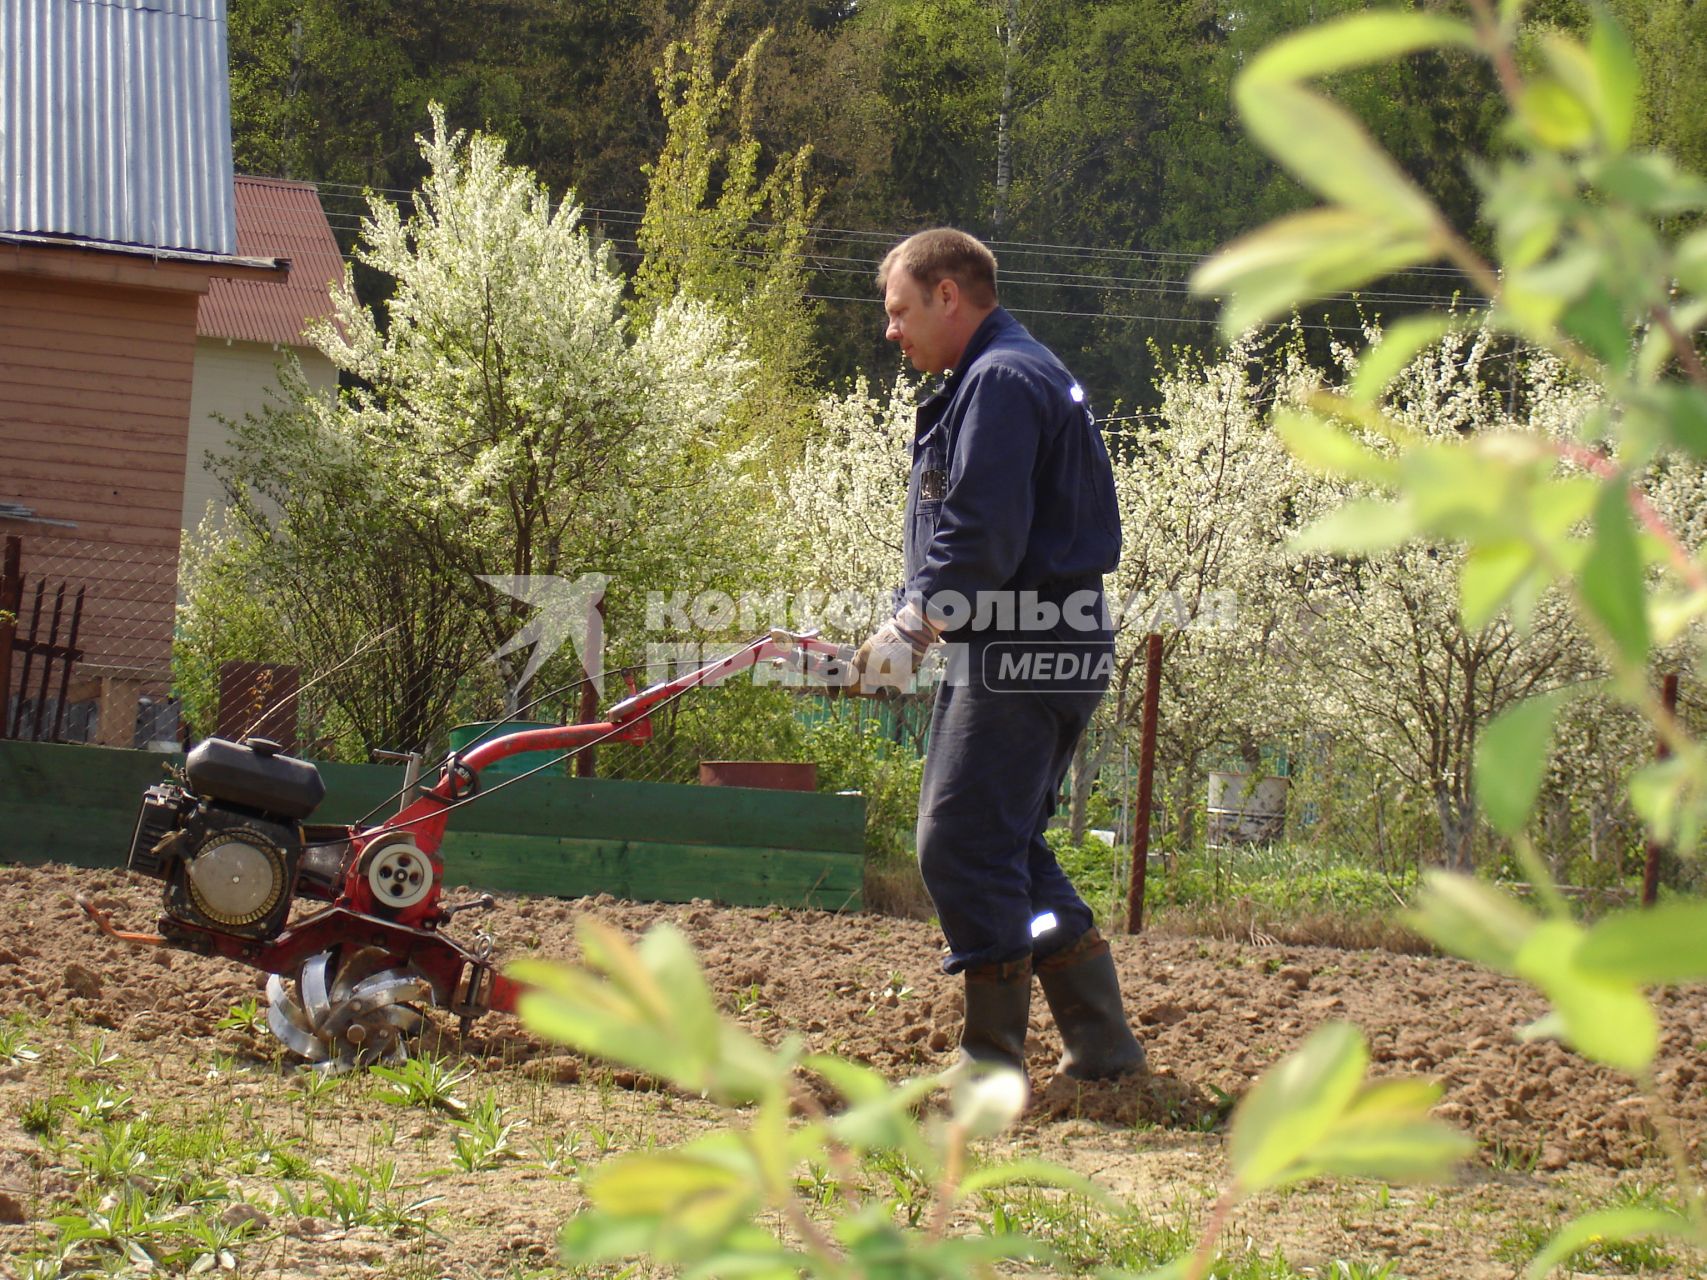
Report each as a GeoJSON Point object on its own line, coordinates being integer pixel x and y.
{"type": "Point", "coordinates": [644, 841]}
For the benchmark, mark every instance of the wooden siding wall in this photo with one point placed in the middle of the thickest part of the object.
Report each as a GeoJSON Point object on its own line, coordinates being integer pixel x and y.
{"type": "Point", "coordinates": [94, 402]}
{"type": "Point", "coordinates": [233, 379]}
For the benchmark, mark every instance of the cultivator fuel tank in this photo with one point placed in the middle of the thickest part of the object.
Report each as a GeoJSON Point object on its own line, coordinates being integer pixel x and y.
{"type": "Point", "coordinates": [348, 921]}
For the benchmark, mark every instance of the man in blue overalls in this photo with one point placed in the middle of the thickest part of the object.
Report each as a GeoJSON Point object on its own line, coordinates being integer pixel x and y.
{"type": "Point", "coordinates": [1011, 523]}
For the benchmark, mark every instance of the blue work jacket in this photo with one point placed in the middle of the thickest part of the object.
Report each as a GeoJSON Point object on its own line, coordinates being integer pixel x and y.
{"type": "Point", "coordinates": [1011, 487]}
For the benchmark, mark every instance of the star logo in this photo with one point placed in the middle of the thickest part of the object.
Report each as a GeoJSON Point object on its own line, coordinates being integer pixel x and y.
{"type": "Point", "coordinates": [566, 613]}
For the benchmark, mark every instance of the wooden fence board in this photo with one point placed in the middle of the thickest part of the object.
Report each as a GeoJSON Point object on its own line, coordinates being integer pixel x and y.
{"type": "Point", "coordinates": [566, 837]}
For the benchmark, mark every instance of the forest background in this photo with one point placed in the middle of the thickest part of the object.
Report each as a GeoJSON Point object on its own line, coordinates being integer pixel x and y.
{"type": "Point", "coordinates": [1096, 142]}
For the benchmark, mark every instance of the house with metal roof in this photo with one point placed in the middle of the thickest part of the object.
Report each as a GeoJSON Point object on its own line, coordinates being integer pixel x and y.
{"type": "Point", "coordinates": [117, 217]}
{"type": "Point", "coordinates": [245, 329]}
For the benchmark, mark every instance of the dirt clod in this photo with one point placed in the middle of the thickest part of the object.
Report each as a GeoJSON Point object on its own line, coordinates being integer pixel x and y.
{"type": "Point", "coordinates": [82, 981]}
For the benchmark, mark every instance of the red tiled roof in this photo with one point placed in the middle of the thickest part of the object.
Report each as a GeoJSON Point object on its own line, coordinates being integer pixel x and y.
{"type": "Point", "coordinates": [275, 219]}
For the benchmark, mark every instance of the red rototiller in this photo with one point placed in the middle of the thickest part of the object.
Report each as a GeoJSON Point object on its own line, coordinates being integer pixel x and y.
{"type": "Point", "coordinates": [235, 853]}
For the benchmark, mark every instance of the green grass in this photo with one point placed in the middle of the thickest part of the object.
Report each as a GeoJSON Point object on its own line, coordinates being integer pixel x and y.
{"type": "Point", "coordinates": [1629, 1257]}
{"type": "Point", "coordinates": [1527, 1239]}
{"type": "Point", "coordinates": [427, 1081]}
{"type": "Point", "coordinates": [1085, 1239]}
{"type": "Point", "coordinates": [1295, 892]}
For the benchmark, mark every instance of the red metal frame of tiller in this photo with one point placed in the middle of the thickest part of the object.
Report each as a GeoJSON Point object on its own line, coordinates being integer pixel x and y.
{"type": "Point", "coordinates": [411, 936]}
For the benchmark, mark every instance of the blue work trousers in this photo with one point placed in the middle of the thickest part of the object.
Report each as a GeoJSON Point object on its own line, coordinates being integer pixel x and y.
{"type": "Point", "coordinates": [991, 776]}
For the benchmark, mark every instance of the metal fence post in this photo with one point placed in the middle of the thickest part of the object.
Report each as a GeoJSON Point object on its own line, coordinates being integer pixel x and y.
{"type": "Point", "coordinates": [1651, 871]}
{"type": "Point", "coordinates": [1146, 785]}
{"type": "Point", "coordinates": [11, 601]}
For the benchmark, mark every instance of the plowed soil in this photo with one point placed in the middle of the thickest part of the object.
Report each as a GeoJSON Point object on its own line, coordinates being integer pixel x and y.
{"type": "Point", "coordinates": [1556, 1134]}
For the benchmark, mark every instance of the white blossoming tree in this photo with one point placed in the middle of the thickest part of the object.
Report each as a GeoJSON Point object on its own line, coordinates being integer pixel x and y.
{"type": "Point", "coordinates": [845, 502]}
{"type": "Point", "coordinates": [1365, 658]}
{"type": "Point", "coordinates": [501, 416]}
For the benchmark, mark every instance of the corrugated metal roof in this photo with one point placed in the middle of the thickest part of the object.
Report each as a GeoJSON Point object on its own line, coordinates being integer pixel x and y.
{"type": "Point", "coordinates": [275, 219]}
{"type": "Point", "coordinates": [115, 122]}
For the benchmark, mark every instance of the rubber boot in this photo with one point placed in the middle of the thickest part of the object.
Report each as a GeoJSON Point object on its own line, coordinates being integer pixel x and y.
{"type": "Point", "coordinates": [1083, 992]}
{"type": "Point", "coordinates": [998, 1010]}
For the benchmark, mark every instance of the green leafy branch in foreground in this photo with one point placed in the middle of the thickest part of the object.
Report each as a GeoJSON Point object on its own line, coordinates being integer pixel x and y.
{"type": "Point", "coordinates": [800, 1163]}
{"type": "Point", "coordinates": [1591, 269]}
{"type": "Point", "coordinates": [1315, 1114]}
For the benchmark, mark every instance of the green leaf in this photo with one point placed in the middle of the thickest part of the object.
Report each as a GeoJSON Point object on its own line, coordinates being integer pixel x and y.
{"type": "Point", "coordinates": [1460, 493]}
{"type": "Point", "coordinates": [650, 1009]}
{"type": "Point", "coordinates": [1606, 1020]}
{"type": "Point", "coordinates": [1355, 41]}
{"type": "Point", "coordinates": [1597, 321]}
{"type": "Point", "coordinates": [1300, 256]}
{"type": "Point", "coordinates": [1682, 411]}
{"type": "Point", "coordinates": [1578, 74]}
{"type": "Point", "coordinates": [1294, 1104]}
{"type": "Point", "coordinates": [1611, 578]}
{"type": "Point", "coordinates": [590, 1237]}
{"type": "Point", "coordinates": [1556, 116]}
{"type": "Point", "coordinates": [1605, 1226]}
{"type": "Point", "coordinates": [1491, 573]}
{"type": "Point", "coordinates": [694, 1196]}
{"type": "Point", "coordinates": [1559, 506]}
{"type": "Point", "coordinates": [1471, 919]}
{"type": "Point", "coordinates": [1667, 943]}
{"type": "Point", "coordinates": [1672, 615]}
{"type": "Point", "coordinates": [1690, 261]}
{"type": "Point", "coordinates": [1364, 526]}
{"type": "Point", "coordinates": [1511, 758]}
{"type": "Point", "coordinates": [1617, 79]}
{"type": "Point", "coordinates": [1330, 450]}
{"type": "Point", "coordinates": [1661, 795]}
{"type": "Point", "coordinates": [854, 1081]}
{"type": "Point", "coordinates": [886, 1121]}
{"type": "Point", "coordinates": [1034, 1173]}
{"type": "Point", "coordinates": [1420, 1151]}
{"type": "Point", "coordinates": [1651, 183]}
{"type": "Point", "coordinates": [1329, 151]}
{"type": "Point", "coordinates": [1564, 277]}
{"type": "Point", "coordinates": [1399, 345]}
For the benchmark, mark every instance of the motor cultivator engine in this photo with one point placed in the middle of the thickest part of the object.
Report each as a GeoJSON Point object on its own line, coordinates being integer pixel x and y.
{"type": "Point", "coordinates": [229, 845]}
{"type": "Point", "coordinates": [233, 854]}
{"type": "Point", "coordinates": [347, 981]}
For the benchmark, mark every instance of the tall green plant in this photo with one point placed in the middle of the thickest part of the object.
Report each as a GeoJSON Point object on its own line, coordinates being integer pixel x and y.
{"type": "Point", "coordinates": [718, 229]}
{"type": "Point", "coordinates": [1591, 265]}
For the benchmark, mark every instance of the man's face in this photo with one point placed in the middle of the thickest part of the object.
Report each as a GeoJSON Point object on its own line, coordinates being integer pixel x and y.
{"type": "Point", "coordinates": [922, 321]}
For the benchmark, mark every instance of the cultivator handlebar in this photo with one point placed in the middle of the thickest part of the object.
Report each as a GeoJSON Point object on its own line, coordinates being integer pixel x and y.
{"type": "Point", "coordinates": [234, 853]}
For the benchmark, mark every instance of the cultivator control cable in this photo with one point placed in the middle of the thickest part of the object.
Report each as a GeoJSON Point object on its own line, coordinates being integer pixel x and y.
{"type": "Point", "coordinates": [347, 983]}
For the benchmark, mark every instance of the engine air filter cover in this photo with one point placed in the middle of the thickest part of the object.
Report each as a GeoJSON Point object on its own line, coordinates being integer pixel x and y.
{"type": "Point", "coordinates": [235, 874]}
{"type": "Point", "coordinates": [236, 877]}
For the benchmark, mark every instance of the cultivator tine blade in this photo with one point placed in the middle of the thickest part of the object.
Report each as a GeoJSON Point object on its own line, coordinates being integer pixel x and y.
{"type": "Point", "coordinates": [407, 1021]}
{"type": "Point", "coordinates": [355, 967]}
{"type": "Point", "coordinates": [369, 996]}
{"type": "Point", "coordinates": [347, 1014]}
{"type": "Point", "coordinates": [287, 1022]}
{"type": "Point", "coordinates": [311, 983]}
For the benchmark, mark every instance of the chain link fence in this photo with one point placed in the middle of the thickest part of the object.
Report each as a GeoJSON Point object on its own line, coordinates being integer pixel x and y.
{"type": "Point", "coordinates": [88, 657]}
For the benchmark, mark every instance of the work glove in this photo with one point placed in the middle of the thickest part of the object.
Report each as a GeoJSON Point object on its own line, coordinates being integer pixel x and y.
{"type": "Point", "coordinates": [891, 657]}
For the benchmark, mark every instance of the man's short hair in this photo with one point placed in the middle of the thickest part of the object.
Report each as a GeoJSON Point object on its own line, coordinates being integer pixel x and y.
{"type": "Point", "coordinates": [945, 253]}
